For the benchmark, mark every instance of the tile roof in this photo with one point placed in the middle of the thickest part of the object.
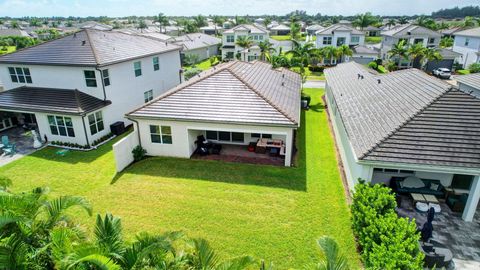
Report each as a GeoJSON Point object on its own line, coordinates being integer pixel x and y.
{"type": "Point", "coordinates": [50, 100]}
{"type": "Point", "coordinates": [339, 27]}
{"type": "Point", "coordinates": [410, 29]}
{"type": "Point", "coordinates": [406, 105]}
{"type": "Point", "coordinates": [255, 29]}
{"type": "Point", "coordinates": [89, 48]}
{"type": "Point", "coordinates": [235, 92]}
{"type": "Point", "coordinates": [362, 49]}
{"type": "Point", "coordinates": [13, 32]}
{"type": "Point", "coordinates": [280, 27]}
{"type": "Point", "coordinates": [473, 32]}
{"type": "Point", "coordinates": [472, 80]}
{"type": "Point", "coordinates": [196, 41]}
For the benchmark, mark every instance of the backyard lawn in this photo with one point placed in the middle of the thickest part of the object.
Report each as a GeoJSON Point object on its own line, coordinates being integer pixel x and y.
{"type": "Point", "coordinates": [273, 213]}
{"type": "Point", "coordinates": [373, 40]}
{"type": "Point", "coordinates": [204, 65]}
{"type": "Point", "coordinates": [9, 49]}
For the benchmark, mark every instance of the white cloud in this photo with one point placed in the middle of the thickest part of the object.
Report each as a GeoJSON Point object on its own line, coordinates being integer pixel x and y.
{"type": "Point", "coordinates": [17, 8]}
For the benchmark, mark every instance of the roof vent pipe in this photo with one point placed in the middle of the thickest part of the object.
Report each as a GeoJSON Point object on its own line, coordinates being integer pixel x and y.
{"type": "Point", "coordinates": [83, 42]}
{"type": "Point", "coordinates": [74, 35]}
{"type": "Point", "coordinates": [283, 83]}
{"type": "Point", "coordinates": [379, 81]}
{"type": "Point", "coordinates": [359, 76]}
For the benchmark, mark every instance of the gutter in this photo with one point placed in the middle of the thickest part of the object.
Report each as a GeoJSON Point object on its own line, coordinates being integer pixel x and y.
{"type": "Point", "coordinates": [138, 130]}
{"type": "Point", "coordinates": [85, 130]}
{"type": "Point", "coordinates": [103, 83]}
{"type": "Point", "coordinates": [420, 167]}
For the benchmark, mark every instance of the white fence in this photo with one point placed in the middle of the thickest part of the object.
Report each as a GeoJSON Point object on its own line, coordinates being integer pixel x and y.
{"type": "Point", "coordinates": [122, 150]}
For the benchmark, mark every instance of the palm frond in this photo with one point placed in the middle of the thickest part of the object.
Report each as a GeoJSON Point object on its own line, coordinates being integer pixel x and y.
{"type": "Point", "coordinates": [204, 257]}
{"type": "Point", "coordinates": [55, 208]}
{"type": "Point", "coordinates": [99, 261]}
{"type": "Point", "coordinates": [333, 260]}
{"type": "Point", "coordinates": [236, 263]}
{"type": "Point", "coordinates": [108, 234]}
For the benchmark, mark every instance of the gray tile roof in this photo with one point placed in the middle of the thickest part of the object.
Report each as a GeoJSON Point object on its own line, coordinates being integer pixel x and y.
{"type": "Point", "coordinates": [13, 32]}
{"type": "Point", "coordinates": [472, 80]}
{"type": "Point", "coordinates": [280, 27]}
{"type": "Point", "coordinates": [410, 29]}
{"type": "Point", "coordinates": [339, 27]}
{"type": "Point", "coordinates": [362, 49]}
{"type": "Point", "coordinates": [235, 92]}
{"type": "Point", "coordinates": [371, 111]}
{"type": "Point", "coordinates": [89, 48]}
{"type": "Point", "coordinates": [473, 32]}
{"type": "Point", "coordinates": [196, 41]}
{"type": "Point", "coordinates": [254, 29]}
{"type": "Point", "coordinates": [50, 100]}
{"type": "Point", "coordinates": [445, 133]}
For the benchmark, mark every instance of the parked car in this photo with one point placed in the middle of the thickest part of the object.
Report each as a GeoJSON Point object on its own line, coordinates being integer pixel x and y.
{"type": "Point", "coordinates": [443, 73]}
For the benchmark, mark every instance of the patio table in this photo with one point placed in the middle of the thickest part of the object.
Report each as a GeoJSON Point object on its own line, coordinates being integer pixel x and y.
{"type": "Point", "coordinates": [430, 198]}
{"type": "Point", "coordinates": [417, 197]}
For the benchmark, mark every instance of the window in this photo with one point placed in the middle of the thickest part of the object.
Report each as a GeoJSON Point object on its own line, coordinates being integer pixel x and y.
{"type": "Point", "coordinates": [106, 77]}
{"type": "Point", "coordinates": [327, 40]}
{"type": "Point", "coordinates": [418, 40]}
{"type": "Point", "coordinates": [340, 41]}
{"type": "Point", "coordinates": [258, 135]}
{"type": "Point", "coordinates": [212, 135]}
{"type": "Point", "coordinates": [156, 64]}
{"type": "Point", "coordinates": [60, 125]}
{"type": "Point", "coordinates": [260, 37]}
{"type": "Point", "coordinates": [137, 66]}
{"type": "Point", "coordinates": [467, 40]}
{"type": "Point", "coordinates": [147, 96]}
{"type": "Point", "coordinates": [223, 136]}
{"type": "Point", "coordinates": [237, 137]}
{"type": "Point", "coordinates": [355, 39]}
{"type": "Point", "coordinates": [95, 120]}
{"type": "Point", "coordinates": [229, 55]}
{"type": "Point", "coordinates": [230, 38]}
{"type": "Point", "coordinates": [161, 134]}
{"type": "Point", "coordinates": [90, 78]}
{"type": "Point", "coordinates": [20, 75]}
{"type": "Point", "coordinates": [431, 40]}
{"type": "Point", "coordinates": [255, 37]}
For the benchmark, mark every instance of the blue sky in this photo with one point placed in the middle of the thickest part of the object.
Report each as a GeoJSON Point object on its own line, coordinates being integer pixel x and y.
{"type": "Point", "coordinates": [114, 8]}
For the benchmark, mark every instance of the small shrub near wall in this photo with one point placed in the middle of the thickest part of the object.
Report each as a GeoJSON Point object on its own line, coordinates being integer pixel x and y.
{"type": "Point", "coordinates": [386, 241]}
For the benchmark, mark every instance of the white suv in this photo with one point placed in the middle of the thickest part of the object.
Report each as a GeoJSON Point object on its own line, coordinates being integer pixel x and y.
{"type": "Point", "coordinates": [443, 73]}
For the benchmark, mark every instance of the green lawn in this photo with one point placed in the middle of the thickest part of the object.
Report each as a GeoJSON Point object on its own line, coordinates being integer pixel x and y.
{"type": "Point", "coordinates": [280, 38]}
{"type": "Point", "coordinates": [463, 71]}
{"type": "Point", "coordinates": [373, 40]}
{"type": "Point", "coordinates": [10, 49]}
{"type": "Point", "coordinates": [204, 65]}
{"type": "Point", "coordinates": [268, 212]}
{"type": "Point", "coordinates": [311, 75]}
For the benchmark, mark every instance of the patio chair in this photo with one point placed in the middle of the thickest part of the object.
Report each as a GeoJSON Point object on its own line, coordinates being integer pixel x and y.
{"type": "Point", "coordinates": [10, 150]}
{"type": "Point", "coordinates": [5, 141]}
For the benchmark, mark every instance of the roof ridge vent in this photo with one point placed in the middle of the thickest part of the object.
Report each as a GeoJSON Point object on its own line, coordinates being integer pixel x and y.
{"type": "Point", "coordinates": [84, 42]}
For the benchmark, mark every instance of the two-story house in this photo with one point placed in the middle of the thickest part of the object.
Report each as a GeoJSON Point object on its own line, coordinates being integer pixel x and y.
{"type": "Point", "coordinates": [467, 43]}
{"type": "Point", "coordinates": [230, 49]}
{"type": "Point", "coordinates": [411, 34]}
{"type": "Point", "coordinates": [340, 34]}
{"type": "Point", "coordinates": [73, 88]}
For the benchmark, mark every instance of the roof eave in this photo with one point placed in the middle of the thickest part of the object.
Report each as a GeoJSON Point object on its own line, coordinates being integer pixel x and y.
{"type": "Point", "coordinates": [420, 167]}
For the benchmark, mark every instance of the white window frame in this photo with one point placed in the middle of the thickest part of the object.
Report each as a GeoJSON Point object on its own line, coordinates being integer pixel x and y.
{"type": "Point", "coordinates": [97, 123]}
{"type": "Point", "coordinates": [156, 63]}
{"type": "Point", "coordinates": [467, 41]}
{"type": "Point", "coordinates": [106, 77]}
{"type": "Point", "coordinates": [148, 95]}
{"type": "Point", "coordinates": [161, 134]}
{"type": "Point", "coordinates": [327, 40]}
{"type": "Point", "coordinates": [217, 132]}
{"type": "Point", "coordinates": [19, 74]}
{"type": "Point", "coordinates": [355, 39]}
{"type": "Point", "coordinates": [90, 79]}
{"type": "Point", "coordinates": [230, 38]}
{"type": "Point", "coordinates": [56, 126]}
{"type": "Point", "coordinates": [139, 68]}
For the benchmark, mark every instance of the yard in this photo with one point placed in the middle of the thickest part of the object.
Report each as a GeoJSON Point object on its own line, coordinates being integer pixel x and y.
{"type": "Point", "coordinates": [7, 49]}
{"type": "Point", "coordinates": [373, 40]}
{"type": "Point", "coordinates": [273, 213]}
{"type": "Point", "coordinates": [203, 65]}
{"type": "Point", "coordinates": [311, 75]}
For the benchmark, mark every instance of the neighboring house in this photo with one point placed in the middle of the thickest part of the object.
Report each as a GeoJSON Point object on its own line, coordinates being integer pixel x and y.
{"type": "Point", "coordinates": [449, 57]}
{"type": "Point", "coordinates": [372, 31]}
{"type": "Point", "coordinates": [467, 43]}
{"type": "Point", "coordinates": [234, 104]}
{"type": "Point", "coordinates": [13, 32]}
{"type": "Point", "coordinates": [363, 54]}
{"type": "Point", "coordinates": [172, 30]}
{"type": "Point", "coordinates": [412, 34]}
{"type": "Point", "coordinates": [280, 30]}
{"type": "Point", "coordinates": [404, 123]}
{"type": "Point", "coordinates": [230, 49]}
{"type": "Point", "coordinates": [211, 30]}
{"type": "Point", "coordinates": [312, 29]}
{"type": "Point", "coordinates": [202, 45]}
{"type": "Point", "coordinates": [155, 35]}
{"type": "Point", "coordinates": [76, 86]}
{"type": "Point", "coordinates": [451, 31]}
{"type": "Point", "coordinates": [95, 26]}
{"type": "Point", "coordinates": [337, 35]}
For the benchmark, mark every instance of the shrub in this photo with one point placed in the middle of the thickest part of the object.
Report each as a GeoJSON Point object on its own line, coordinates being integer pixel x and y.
{"type": "Point", "coordinates": [316, 68]}
{"type": "Point", "coordinates": [474, 68]}
{"type": "Point", "coordinates": [373, 65]}
{"type": "Point", "coordinates": [190, 73]}
{"type": "Point", "coordinates": [138, 153]}
{"type": "Point", "coordinates": [387, 241]}
{"type": "Point", "coordinates": [307, 98]}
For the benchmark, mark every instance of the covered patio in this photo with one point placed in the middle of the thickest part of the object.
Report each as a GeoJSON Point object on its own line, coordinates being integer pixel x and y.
{"type": "Point", "coordinates": [23, 141]}
{"type": "Point", "coordinates": [240, 154]}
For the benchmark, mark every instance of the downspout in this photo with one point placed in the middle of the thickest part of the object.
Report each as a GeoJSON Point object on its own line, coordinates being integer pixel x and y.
{"type": "Point", "coordinates": [85, 130]}
{"type": "Point", "coordinates": [138, 130]}
{"type": "Point", "coordinates": [103, 85]}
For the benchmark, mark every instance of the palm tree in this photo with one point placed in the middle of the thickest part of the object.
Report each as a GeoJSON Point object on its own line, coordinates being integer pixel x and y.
{"type": "Point", "coordinates": [399, 50]}
{"type": "Point", "coordinates": [302, 54]}
{"type": "Point", "coordinates": [27, 223]}
{"type": "Point", "coordinates": [390, 23]}
{"type": "Point", "coordinates": [416, 53]}
{"type": "Point", "coordinates": [142, 25]}
{"type": "Point", "coordinates": [330, 52]}
{"type": "Point", "coordinates": [431, 54]}
{"type": "Point", "coordinates": [267, 21]}
{"type": "Point", "coordinates": [217, 20]}
{"type": "Point", "coordinates": [364, 20]}
{"type": "Point", "coordinates": [265, 49]}
{"type": "Point", "coordinates": [245, 42]}
{"type": "Point", "coordinates": [402, 20]}
{"type": "Point", "coordinates": [468, 22]}
{"type": "Point", "coordinates": [343, 51]}
{"type": "Point", "coordinates": [200, 21]}
{"type": "Point", "coordinates": [333, 259]}
{"type": "Point", "coordinates": [162, 21]}
{"type": "Point", "coordinates": [446, 42]}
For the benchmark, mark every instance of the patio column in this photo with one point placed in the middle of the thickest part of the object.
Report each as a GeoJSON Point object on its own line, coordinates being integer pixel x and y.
{"type": "Point", "coordinates": [289, 148]}
{"type": "Point", "coordinates": [472, 201]}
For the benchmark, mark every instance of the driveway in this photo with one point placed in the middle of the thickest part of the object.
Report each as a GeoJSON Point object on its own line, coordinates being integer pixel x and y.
{"type": "Point", "coordinates": [314, 84]}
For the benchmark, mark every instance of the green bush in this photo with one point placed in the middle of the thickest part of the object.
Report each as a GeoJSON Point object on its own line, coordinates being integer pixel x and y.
{"type": "Point", "coordinates": [138, 153]}
{"type": "Point", "coordinates": [474, 68]}
{"type": "Point", "coordinates": [316, 68]}
{"type": "Point", "coordinates": [190, 73]}
{"type": "Point", "coordinates": [373, 65]}
{"type": "Point", "coordinates": [387, 241]}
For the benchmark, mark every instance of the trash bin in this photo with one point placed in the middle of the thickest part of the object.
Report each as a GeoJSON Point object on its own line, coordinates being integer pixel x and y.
{"type": "Point", "coordinates": [117, 128]}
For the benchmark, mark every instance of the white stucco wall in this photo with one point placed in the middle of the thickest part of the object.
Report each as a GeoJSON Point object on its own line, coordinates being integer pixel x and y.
{"type": "Point", "coordinates": [122, 151]}
{"type": "Point", "coordinates": [339, 34]}
{"type": "Point", "coordinates": [238, 48]}
{"type": "Point", "coordinates": [203, 53]}
{"type": "Point", "coordinates": [469, 52]}
{"type": "Point", "coordinates": [184, 135]}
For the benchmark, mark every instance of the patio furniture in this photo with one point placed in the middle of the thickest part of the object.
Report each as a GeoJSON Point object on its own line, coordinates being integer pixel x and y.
{"type": "Point", "coordinates": [421, 206]}
{"type": "Point", "coordinates": [252, 146]}
{"type": "Point", "coordinates": [5, 141]}
{"type": "Point", "coordinates": [430, 198]}
{"type": "Point", "coordinates": [435, 256]}
{"type": "Point", "coordinates": [10, 150]}
{"type": "Point", "coordinates": [457, 202]}
{"type": "Point", "coordinates": [436, 207]}
{"type": "Point", "coordinates": [264, 144]}
{"type": "Point", "coordinates": [62, 152]}
{"type": "Point", "coordinates": [417, 197]}
{"type": "Point", "coordinates": [430, 186]}
{"type": "Point", "coordinates": [216, 148]}
{"type": "Point", "coordinates": [274, 152]}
